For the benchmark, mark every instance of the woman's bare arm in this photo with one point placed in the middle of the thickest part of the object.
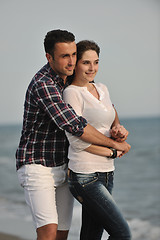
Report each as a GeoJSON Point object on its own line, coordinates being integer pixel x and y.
{"type": "Point", "coordinates": [93, 136]}
{"type": "Point", "coordinates": [101, 151]}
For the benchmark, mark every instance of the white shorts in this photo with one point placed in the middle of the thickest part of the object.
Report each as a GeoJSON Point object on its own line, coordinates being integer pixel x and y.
{"type": "Point", "coordinates": [47, 194]}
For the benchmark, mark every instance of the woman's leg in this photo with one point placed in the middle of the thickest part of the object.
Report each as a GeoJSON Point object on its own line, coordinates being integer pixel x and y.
{"type": "Point", "coordinates": [91, 228]}
{"type": "Point", "coordinates": [99, 203]}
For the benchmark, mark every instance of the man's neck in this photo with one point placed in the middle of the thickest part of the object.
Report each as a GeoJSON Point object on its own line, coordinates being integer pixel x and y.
{"type": "Point", "coordinates": [62, 77]}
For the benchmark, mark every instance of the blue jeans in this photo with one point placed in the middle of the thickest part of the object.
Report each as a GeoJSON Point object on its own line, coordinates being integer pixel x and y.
{"type": "Point", "coordinates": [99, 210]}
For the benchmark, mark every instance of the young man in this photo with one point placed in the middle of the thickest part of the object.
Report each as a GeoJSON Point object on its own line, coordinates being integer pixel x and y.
{"type": "Point", "coordinates": [42, 152]}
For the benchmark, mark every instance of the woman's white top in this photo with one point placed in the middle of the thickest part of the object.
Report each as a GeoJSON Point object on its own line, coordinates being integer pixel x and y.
{"type": "Point", "coordinates": [100, 114]}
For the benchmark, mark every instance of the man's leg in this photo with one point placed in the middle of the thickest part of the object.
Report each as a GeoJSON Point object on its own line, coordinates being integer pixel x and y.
{"type": "Point", "coordinates": [38, 184]}
{"type": "Point", "coordinates": [47, 232]}
{"type": "Point", "coordinates": [64, 202]}
{"type": "Point", "coordinates": [62, 235]}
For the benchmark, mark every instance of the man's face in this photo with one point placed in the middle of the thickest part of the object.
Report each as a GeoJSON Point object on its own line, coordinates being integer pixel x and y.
{"type": "Point", "coordinates": [64, 59]}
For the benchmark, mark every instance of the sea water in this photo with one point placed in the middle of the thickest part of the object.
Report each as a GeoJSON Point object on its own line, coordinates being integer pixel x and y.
{"type": "Point", "coordinates": [136, 184]}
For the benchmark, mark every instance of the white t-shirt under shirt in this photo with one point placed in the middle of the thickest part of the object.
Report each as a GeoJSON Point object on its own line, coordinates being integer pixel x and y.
{"type": "Point", "coordinates": [100, 114]}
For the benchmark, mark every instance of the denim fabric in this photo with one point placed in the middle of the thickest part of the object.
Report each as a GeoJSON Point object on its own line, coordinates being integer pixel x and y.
{"type": "Point", "coordinates": [99, 210]}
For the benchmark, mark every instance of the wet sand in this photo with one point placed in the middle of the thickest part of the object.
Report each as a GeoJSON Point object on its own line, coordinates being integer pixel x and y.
{"type": "Point", "coordinates": [4, 236]}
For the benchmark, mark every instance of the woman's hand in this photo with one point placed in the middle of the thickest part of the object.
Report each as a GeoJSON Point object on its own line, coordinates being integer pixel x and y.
{"type": "Point", "coordinates": [119, 154]}
{"type": "Point", "coordinates": [119, 133]}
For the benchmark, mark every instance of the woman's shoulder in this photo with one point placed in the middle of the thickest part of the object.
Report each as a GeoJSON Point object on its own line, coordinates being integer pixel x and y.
{"type": "Point", "coordinates": [101, 86]}
{"type": "Point", "coordinates": [73, 92]}
{"type": "Point", "coordinates": [72, 88]}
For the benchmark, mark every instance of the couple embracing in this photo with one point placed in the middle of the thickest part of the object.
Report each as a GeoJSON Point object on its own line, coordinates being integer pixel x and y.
{"type": "Point", "coordinates": [63, 105]}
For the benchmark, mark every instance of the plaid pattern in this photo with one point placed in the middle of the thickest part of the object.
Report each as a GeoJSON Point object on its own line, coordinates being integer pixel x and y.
{"type": "Point", "coordinates": [46, 116]}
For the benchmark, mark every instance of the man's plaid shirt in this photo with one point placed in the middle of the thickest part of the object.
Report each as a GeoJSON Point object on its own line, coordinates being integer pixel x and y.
{"type": "Point", "coordinates": [46, 116]}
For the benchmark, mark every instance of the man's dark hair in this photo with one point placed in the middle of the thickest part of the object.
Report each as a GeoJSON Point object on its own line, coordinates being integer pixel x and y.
{"type": "Point", "coordinates": [56, 36]}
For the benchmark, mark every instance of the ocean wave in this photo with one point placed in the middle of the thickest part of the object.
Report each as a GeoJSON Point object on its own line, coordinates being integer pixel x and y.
{"type": "Point", "coordinates": [144, 230]}
{"type": "Point", "coordinates": [141, 230]}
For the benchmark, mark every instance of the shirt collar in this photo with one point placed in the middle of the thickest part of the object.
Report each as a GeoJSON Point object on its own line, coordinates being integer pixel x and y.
{"type": "Point", "coordinates": [101, 93]}
{"type": "Point", "coordinates": [54, 75]}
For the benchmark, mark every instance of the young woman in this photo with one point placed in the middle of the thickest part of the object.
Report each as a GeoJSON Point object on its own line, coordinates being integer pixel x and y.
{"type": "Point", "coordinates": [91, 168]}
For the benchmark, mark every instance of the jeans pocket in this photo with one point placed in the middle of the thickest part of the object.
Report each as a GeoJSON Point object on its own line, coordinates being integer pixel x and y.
{"type": "Point", "coordinates": [86, 179]}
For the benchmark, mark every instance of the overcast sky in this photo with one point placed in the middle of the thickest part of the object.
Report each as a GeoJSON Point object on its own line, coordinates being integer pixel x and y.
{"type": "Point", "coordinates": [127, 31]}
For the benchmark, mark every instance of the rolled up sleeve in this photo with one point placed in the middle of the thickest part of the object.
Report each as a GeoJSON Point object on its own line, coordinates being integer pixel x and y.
{"type": "Point", "coordinates": [76, 143]}
{"type": "Point", "coordinates": [49, 98]}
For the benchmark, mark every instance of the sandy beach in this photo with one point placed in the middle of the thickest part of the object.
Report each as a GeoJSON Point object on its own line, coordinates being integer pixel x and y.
{"type": "Point", "coordinates": [4, 236]}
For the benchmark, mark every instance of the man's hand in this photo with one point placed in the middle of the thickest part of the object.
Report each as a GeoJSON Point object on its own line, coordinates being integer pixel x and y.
{"type": "Point", "coordinates": [119, 133]}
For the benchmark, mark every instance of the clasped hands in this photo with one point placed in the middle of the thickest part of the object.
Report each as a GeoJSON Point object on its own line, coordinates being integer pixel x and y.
{"type": "Point", "coordinates": [120, 134]}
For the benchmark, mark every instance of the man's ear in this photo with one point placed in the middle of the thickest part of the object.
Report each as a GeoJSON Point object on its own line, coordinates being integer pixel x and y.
{"type": "Point", "coordinates": [49, 57]}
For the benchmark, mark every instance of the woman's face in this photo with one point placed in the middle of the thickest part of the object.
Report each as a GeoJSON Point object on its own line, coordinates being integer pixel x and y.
{"type": "Point", "coordinates": [87, 66]}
